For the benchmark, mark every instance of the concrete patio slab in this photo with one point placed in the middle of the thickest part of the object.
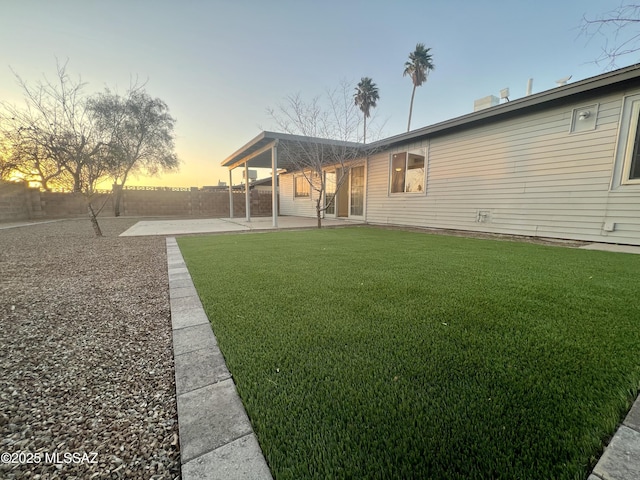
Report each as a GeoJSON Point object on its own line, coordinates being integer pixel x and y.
{"type": "Point", "coordinates": [238, 460]}
{"type": "Point", "coordinates": [227, 225]}
{"type": "Point", "coordinates": [176, 227]}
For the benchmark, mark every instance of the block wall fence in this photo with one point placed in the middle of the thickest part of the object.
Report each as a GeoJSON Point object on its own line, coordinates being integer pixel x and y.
{"type": "Point", "coordinates": [20, 202]}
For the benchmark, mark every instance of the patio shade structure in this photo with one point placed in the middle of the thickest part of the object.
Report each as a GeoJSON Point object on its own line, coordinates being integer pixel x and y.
{"type": "Point", "coordinates": [278, 151]}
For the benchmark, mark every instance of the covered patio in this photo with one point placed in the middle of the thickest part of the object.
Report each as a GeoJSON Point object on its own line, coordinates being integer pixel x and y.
{"type": "Point", "coordinates": [278, 151]}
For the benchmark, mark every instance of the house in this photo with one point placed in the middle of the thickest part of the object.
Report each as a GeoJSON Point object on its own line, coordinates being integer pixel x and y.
{"type": "Point", "coordinates": [562, 163]}
{"type": "Point", "coordinates": [262, 185]}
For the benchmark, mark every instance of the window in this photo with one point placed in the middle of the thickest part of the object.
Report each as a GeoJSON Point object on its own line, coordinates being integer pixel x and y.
{"type": "Point", "coordinates": [302, 187]}
{"type": "Point", "coordinates": [407, 172]}
{"type": "Point", "coordinates": [632, 153]}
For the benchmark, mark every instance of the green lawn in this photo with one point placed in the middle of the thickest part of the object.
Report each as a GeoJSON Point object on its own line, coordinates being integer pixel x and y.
{"type": "Point", "coordinates": [370, 353]}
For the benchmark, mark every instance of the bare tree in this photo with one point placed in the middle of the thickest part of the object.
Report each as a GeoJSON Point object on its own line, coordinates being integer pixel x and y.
{"type": "Point", "coordinates": [619, 29]}
{"type": "Point", "coordinates": [141, 132]}
{"type": "Point", "coordinates": [324, 134]}
{"type": "Point", "coordinates": [7, 166]}
{"type": "Point", "coordinates": [7, 159]}
{"type": "Point", "coordinates": [57, 137]}
{"type": "Point", "coordinates": [23, 153]}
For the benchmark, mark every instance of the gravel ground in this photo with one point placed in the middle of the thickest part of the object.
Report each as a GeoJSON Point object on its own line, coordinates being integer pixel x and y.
{"type": "Point", "coordinates": [87, 380]}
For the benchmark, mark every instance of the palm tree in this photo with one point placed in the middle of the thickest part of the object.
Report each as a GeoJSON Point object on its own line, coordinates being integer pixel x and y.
{"type": "Point", "coordinates": [365, 97]}
{"type": "Point", "coordinates": [418, 68]}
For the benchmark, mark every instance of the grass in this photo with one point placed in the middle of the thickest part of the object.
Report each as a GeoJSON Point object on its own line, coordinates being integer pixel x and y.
{"type": "Point", "coordinates": [369, 353]}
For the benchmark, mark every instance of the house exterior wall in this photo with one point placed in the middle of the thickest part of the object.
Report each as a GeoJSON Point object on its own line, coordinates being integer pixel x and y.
{"type": "Point", "coordinates": [291, 205]}
{"type": "Point", "coordinates": [528, 175]}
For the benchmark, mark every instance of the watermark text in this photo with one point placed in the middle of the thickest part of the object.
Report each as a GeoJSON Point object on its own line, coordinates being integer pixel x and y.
{"type": "Point", "coordinates": [55, 457]}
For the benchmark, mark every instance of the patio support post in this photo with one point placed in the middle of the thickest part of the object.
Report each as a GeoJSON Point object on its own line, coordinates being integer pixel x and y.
{"type": "Point", "coordinates": [247, 200]}
{"type": "Point", "coordinates": [230, 195]}
{"type": "Point", "coordinates": [274, 183]}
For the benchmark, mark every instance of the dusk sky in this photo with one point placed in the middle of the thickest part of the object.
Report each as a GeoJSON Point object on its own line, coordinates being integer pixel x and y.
{"type": "Point", "coordinates": [220, 64]}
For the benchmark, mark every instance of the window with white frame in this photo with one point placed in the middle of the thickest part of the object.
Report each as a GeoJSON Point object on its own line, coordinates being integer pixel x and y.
{"type": "Point", "coordinates": [632, 152]}
{"type": "Point", "coordinates": [407, 172]}
{"type": "Point", "coordinates": [301, 186]}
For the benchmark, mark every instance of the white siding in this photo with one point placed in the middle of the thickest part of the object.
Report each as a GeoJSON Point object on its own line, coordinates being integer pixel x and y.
{"type": "Point", "coordinates": [290, 205]}
{"type": "Point", "coordinates": [529, 173]}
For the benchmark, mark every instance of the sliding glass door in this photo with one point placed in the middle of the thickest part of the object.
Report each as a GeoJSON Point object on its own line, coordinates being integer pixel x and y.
{"type": "Point", "coordinates": [357, 192]}
{"type": "Point", "coordinates": [330, 193]}
{"type": "Point", "coordinates": [348, 200]}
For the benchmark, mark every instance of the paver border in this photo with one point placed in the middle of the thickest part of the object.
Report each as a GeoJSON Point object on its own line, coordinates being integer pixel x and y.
{"type": "Point", "coordinates": [216, 437]}
{"type": "Point", "coordinates": [621, 457]}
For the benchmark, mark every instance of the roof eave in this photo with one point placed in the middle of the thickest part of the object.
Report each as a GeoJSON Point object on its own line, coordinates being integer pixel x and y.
{"type": "Point", "coordinates": [520, 105]}
{"type": "Point", "coordinates": [265, 138]}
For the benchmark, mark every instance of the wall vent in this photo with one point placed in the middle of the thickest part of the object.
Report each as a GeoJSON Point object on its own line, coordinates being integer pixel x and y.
{"type": "Point", "coordinates": [609, 227]}
{"type": "Point", "coordinates": [583, 119]}
{"type": "Point", "coordinates": [483, 216]}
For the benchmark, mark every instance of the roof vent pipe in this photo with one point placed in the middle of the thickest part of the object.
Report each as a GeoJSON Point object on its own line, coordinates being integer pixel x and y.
{"type": "Point", "coordinates": [529, 86]}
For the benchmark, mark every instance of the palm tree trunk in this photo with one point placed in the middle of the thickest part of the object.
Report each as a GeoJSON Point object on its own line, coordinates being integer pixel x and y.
{"type": "Point", "coordinates": [413, 93]}
{"type": "Point", "coordinates": [364, 134]}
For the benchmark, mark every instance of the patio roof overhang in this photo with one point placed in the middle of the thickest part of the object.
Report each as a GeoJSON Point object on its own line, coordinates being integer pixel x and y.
{"type": "Point", "coordinates": [262, 152]}
{"type": "Point", "coordinates": [257, 153]}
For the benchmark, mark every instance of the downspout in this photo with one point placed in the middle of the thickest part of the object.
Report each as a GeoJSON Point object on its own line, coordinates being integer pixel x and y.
{"type": "Point", "coordinates": [426, 167]}
{"type": "Point", "coordinates": [274, 183]}
{"type": "Point", "coordinates": [366, 189]}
